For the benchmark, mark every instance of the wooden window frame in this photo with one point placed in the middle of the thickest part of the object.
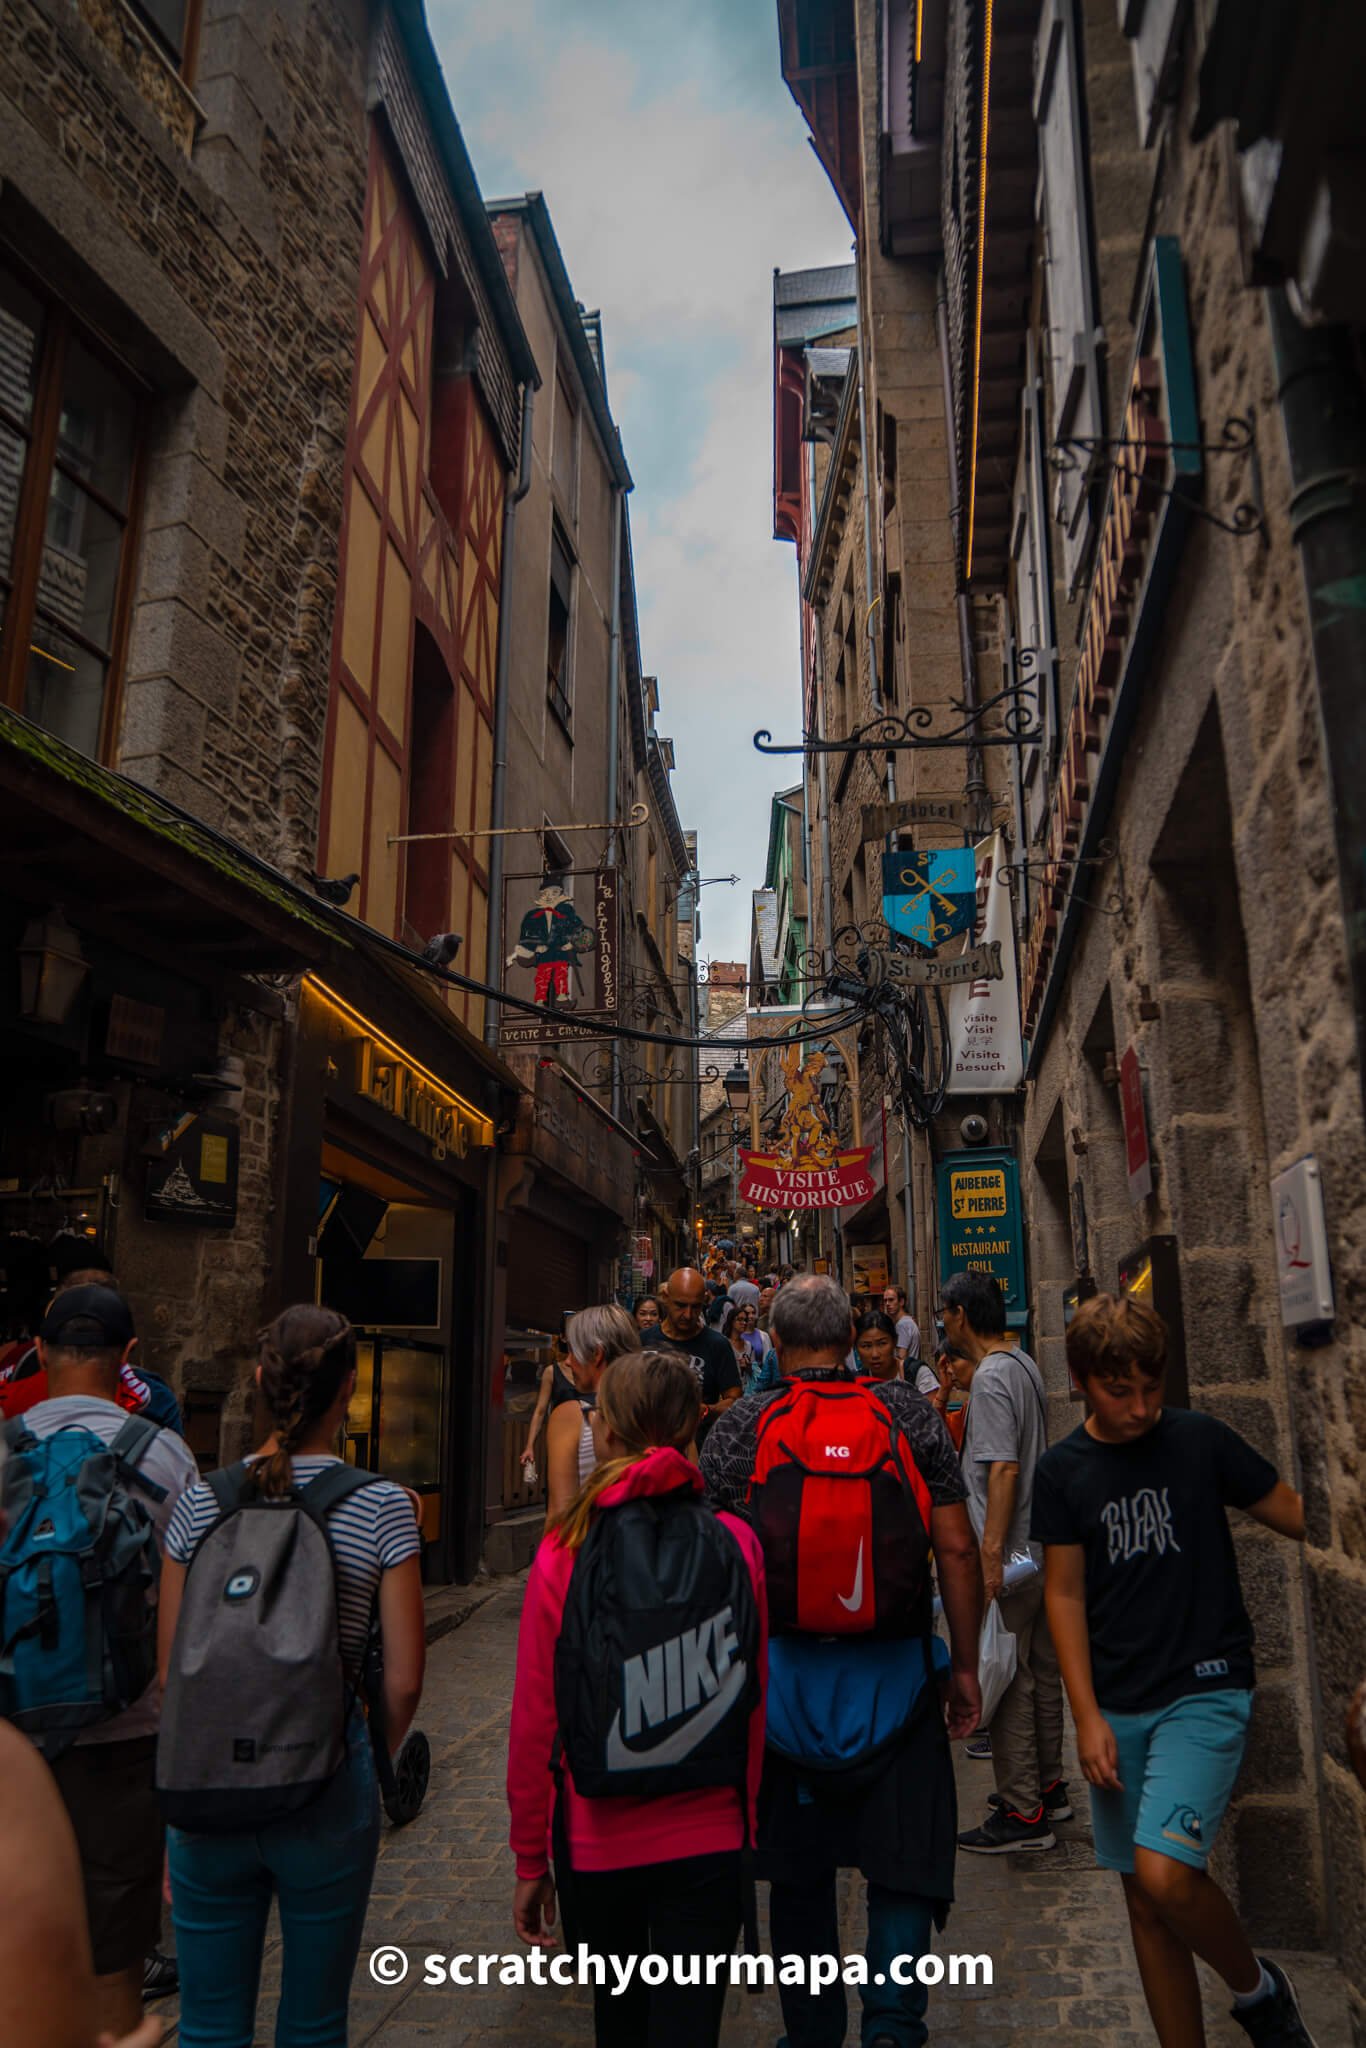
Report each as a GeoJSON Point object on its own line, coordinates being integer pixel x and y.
{"type": "Point", "coordinates": [186, 65]}
{"type": "Point", "coordinates": [560, 693]}
{"type": "Point", "coordinates": [60, 327]}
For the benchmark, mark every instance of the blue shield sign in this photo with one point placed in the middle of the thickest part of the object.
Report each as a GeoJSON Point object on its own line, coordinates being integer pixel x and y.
{"type": "Point", "coordinates": [930, 897]}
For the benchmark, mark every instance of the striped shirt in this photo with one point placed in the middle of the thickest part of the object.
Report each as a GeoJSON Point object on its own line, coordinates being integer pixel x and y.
{"type": "Point", "coordinates": [372, 1530]}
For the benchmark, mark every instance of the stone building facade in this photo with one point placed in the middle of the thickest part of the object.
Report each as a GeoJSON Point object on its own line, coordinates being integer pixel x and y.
{"type": "Point", "coordinates": [260, 397]}
{"type": "Point", "coordinates": [1147, 451]}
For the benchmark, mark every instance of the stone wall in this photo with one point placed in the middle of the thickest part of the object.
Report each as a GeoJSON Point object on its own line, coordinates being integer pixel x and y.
{"type": "Point", "coordinates": [1225, 967]}
{"type": "Point", "coordinates": [229, 281]}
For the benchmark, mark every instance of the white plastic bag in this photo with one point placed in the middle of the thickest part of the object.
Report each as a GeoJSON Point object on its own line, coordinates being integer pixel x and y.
{"type": "Point", "coordinates": [996, 1659]}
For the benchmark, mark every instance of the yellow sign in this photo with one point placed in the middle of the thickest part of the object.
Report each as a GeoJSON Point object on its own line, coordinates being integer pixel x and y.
{"type": "Point", "coordinates": [395, 1082]}
{"type": "Point", "coordinates": [973, 1195]}
{"type": "Point", "coordinates": [213, 1159]}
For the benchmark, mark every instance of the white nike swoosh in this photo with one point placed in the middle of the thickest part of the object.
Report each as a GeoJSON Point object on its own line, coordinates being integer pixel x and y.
{"type": "Point", "coordinates": [855, 1599]}
{"type": "Point", "coordinates": [684, 1740]}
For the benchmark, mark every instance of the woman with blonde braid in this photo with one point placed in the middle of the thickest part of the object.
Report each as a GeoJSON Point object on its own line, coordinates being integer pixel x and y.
{"type": "Point", "coordinates": [317, 1863]}
{"type": "Point", "coordinates": [643, 1875]}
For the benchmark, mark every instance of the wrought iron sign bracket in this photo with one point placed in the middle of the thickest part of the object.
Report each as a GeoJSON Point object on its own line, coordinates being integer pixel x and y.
{"type": "Point", "coordinates": [1056, 876]}
{"type": "Point", "coordinates": [914, 733]}
{"type": "Point", "coordinates": [1072, 452]}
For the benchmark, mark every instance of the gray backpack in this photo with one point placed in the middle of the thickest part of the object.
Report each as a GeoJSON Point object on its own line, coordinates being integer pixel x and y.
{"type": "Point", "coordinates": [253, 1722]}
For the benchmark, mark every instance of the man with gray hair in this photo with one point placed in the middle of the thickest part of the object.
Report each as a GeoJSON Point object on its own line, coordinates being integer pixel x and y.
{"type": "Point", "coordinates": [847, 1485]}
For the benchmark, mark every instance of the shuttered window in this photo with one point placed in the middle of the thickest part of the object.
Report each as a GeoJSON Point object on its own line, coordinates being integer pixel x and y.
{"type": "Point", "coordinates": [1154, 29]}
{"type": "Point", "coordinates": [1072, 311]}
{"type": "Point", "coordinates": [1036, 657]}
{"type": "Point", "coordinates": [549, 1273]}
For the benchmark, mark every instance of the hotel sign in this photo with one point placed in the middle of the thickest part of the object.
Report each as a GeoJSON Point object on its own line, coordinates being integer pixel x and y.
{"type": "Point", "coordinates": [1157, 465]}
{"type": "Point", "coordinates": [980, 1228]}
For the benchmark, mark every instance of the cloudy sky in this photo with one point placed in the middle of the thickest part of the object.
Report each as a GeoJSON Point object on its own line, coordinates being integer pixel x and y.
{"type": "Point", "coordinates": [678, 175]}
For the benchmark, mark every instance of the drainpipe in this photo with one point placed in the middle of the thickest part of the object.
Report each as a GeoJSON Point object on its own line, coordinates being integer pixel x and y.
{"type": "Point", "coordinates": [976, 785]}
{"type": "Point", "coordinates": [823, 804]}
{"type": "Point", "coordinates": [613, 736]}
{"type": "Point", "coordinates": [493, 966]}
{"type": "Point", "coordinates": [1325, 438]}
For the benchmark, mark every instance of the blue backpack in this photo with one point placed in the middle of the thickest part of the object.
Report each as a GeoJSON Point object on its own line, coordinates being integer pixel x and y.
{"type": "Point", "coordinates": [79, 1566]}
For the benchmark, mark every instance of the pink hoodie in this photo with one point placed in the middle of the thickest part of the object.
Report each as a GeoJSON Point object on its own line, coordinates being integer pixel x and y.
{"type": "Point", "coordinates": [613, 1834]}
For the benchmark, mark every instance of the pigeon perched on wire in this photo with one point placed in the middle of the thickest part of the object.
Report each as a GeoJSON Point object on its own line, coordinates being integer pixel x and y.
{"type": "Point", "coordinates": [335, 890]}
{"type": "Point", "coordinates": [441, 951]}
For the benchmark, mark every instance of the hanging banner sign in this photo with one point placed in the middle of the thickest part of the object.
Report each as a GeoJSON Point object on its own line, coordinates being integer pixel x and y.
{"type": "Point", "coordinates": [929, 897]}
{"type": "Point", "coordinates": [808, 1165]}
{"type": "Point", "coordinates": [766, 1184]}
{"type": "Point", "coordinates": [984, 1013]}
{"type": "Point", "coordinates": [880, 819]}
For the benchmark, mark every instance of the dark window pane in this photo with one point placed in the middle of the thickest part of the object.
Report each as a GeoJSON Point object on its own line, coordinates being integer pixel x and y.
{"type": "Point", "coordinates": [80, 567]}
{"type": "Point", "coordinates": [96, 434]}
{"type": "Point", "coordinates": [167, 17]}
{"type": "Point", "coordinates": [21, 335]}
{"type": "Point", "coordinates": [65, 692]}
{"type": "Point", "coordinates": [12, 453]}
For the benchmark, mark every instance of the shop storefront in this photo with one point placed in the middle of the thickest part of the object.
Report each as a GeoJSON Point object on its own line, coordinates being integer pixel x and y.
{"type": "Point", "coordinates": [566, 1198]}
{"type": "Point", "coordinates": [386, 1218]}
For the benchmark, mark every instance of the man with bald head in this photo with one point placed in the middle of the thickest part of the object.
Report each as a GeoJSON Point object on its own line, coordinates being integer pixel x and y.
{"type": "Point", "coordinates": [682, 1308]}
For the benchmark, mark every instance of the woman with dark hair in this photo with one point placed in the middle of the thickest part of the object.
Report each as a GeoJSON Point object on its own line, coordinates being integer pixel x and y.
{"type": "Point", "coordinates": [318, 1862]}
{"type": "Point", "coordinates": [646, 1313]}
{"type": "Point", "coordinates": [875, 1346]}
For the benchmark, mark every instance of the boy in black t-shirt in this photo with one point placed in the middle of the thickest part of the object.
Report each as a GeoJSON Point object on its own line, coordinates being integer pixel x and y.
{"type": "Point", "coordinates": [1155, 1647]}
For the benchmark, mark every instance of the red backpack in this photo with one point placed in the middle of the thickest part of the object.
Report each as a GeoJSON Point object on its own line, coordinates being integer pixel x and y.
{"type": "Point", "coordinates": [843, 1513]}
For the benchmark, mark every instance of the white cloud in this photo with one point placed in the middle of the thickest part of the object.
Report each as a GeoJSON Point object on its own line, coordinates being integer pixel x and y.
{"type": "Point", "coordinates": [673, 204]}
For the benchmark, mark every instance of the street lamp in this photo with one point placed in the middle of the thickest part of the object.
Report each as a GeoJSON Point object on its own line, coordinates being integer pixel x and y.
{"type": "Point", "coordinates": [832, 1073]}
{"type": "Point", "coordinates": [52, 968]}
{"type": "Point", "coordinates": [736, 1086]}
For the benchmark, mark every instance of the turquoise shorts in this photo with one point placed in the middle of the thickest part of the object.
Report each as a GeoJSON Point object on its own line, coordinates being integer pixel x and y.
{"type": "Point", "coordinates": [1177, 1767]}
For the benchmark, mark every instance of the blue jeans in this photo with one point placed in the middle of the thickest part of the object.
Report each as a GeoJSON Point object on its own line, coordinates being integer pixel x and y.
{"type": "Point", "coordinates": [319, 1864]}
{"type": "Point", "coordinates": [805, 1921]}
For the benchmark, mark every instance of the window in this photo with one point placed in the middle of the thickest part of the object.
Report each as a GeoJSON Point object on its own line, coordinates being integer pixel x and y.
{"type": "Point", "coordinates": [1073, 311]}
{"type": "Point", "coordinates": [559, 651]}
{"type": "Point", "coordinates": [431, 792]}
{"type": "Point", "coordinates": [1036, 649]}
{"type": "Point", "coordinates": [891, 636]}
{"type": "Point", "coordinates": [175, 24]}
{"type": "Point", "coordinates": [1155, 29]}
{"type": "Point", "coordinates": [68, 441]}
{"type": "Point", "coordinates": [564, 455]}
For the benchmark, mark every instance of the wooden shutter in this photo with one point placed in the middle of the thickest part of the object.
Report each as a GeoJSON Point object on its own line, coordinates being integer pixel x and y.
{"type": "Point", "coordinates": [1073, 319]}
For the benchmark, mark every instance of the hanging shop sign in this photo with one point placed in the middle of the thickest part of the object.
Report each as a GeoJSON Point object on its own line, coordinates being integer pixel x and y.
{"type": "Point", "coordinates": [1302, 1265]}
{"type": "Point", "coordinates": [979, 963]}
{"type": "Point", "coordinates": [984, 1015]}
{"type": "Point", "coordinates": [192, 1172]}
{"type": "Point", "coordinates": [980, 1225]}
{"type": "Point", "coordinates": [1157, 472]}
{"type": "Point", "coordinates": [1138, 1157]}
{"type": "Point", "coordinates": [929, 897]}
{"type": "Point", "coordinates": [564, 950]}
{"type": "Point", "coordinates": [798, 1158]}
{"type": "Point", "coordinates": [880, 819]}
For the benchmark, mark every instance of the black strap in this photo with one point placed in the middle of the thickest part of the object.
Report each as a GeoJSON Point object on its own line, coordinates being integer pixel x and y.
{"type": "Point", "coordinates": [131, 1446]}
{"type": "Point", "coordinates": [333, 1484]}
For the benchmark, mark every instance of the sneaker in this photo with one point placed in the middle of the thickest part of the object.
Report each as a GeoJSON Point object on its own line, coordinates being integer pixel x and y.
{"type": "Point", "coordinates": [978, 1747]}
{"type": "Point", "coordinates": [1003, 1832]}
{"type": "Point", "coordinates": [1056, 1804]}
{"type": "Point", "coordinates": [1276, 2020]}
{"type": "Point", "coordinates": [160, 1975]}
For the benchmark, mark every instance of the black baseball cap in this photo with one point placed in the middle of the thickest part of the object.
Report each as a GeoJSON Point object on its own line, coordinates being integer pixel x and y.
{"type": "Point", "coordinates": [88, 1318]}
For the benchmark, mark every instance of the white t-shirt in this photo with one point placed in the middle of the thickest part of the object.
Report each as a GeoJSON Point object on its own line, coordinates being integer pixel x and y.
{"type": "Point", "coordinates": [907, 1335]}
{"type": "Point", "coordinates": [927, 1381]}
{"type": "Point", "coordinates": [166, 1462]}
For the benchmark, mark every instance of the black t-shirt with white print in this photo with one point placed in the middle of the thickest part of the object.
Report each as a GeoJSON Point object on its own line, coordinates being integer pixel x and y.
{"type": "Point", "coordinates": [1164, 1607]}
{"type": "Point", "coordinates": [710, 1356]}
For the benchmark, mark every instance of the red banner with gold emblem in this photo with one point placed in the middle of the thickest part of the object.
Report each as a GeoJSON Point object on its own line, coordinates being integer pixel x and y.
{"type": "Point", "coordinates": [767, 1184]}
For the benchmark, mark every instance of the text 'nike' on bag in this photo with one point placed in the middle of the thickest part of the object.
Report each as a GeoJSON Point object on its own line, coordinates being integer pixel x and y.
{"type": "Point", "coordinates": [657, 1662]}
{"type": "Point", "coordinates": [843, 1513]}
{"type": "Point", "coordinates": [253, 1722]}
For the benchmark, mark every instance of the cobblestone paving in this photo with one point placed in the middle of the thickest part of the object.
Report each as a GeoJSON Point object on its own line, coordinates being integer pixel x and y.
{"type": "Point", "coordinates": [1053, 1924]}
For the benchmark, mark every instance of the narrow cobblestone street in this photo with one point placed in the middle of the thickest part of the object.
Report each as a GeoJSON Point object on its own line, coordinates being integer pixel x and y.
{"type": "Point", "coordinates": [1052, 1925]}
